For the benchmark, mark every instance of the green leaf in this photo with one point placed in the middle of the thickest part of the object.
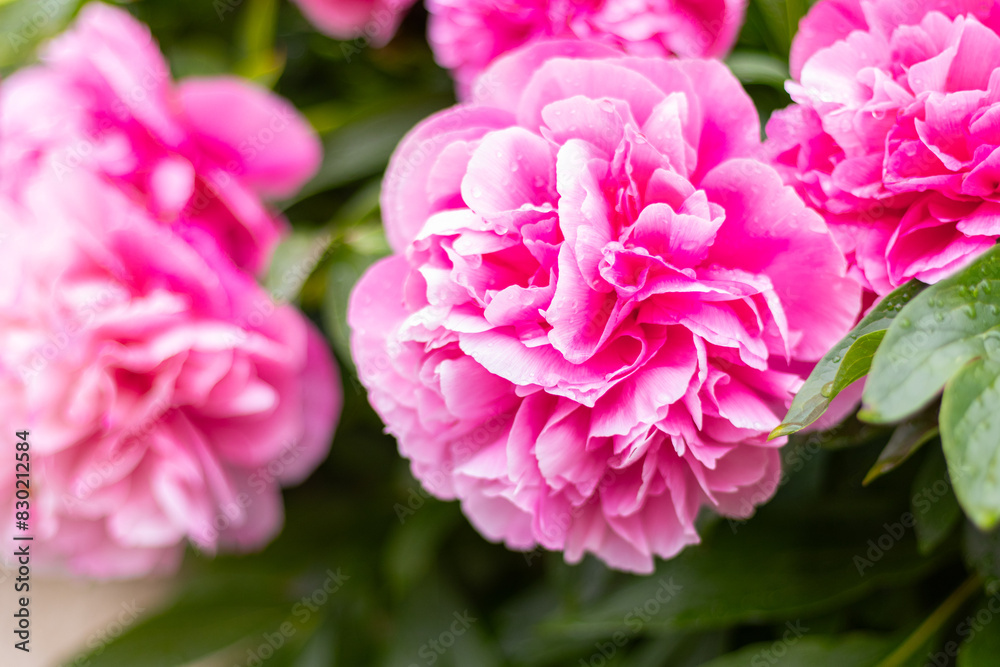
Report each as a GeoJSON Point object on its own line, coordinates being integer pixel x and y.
{"type": "Point", "coordinates": [970, 437]}
{"type": "Point", "coordinates": [26, 23]}
{"type": "Point", "coordinates": [794, 11]}
{"type": "Point", "coordinates": [905, 441]}
{"type": "Point", "coordinates": [933, 503]}
{"type": "Point", "coordinates": [982, 646]}
{"type": "Point", "coordinates": [934, 336]}
{"type": "Point", "coordinates": [362, 148]}
{"type": "Point", "coordinates": [822, 385]}
{"type": "Point", "coordinates": [207, 619]}
{"type": "Point", "coordinates": [855, 650]}
{"type": "Point", "coordinates": [982, 554]}
{"type": "Point", "coordinates": [412, 547]}
{"type": "Point", "coordinates": [294, 261]}
{"type": "Point", "coordinates": [260, 61]}
{"type": "Point", "coordinates": [755, 67]}
{"type": "Point", "coordinates": [776, 567]}
{"type": "Point", "coordinates": [365, 245]}
{"type": "Point", "coordinates": [437, 626]}
{"type": "Point", "coordinates": [775, 14]}
{"type": "Point", "coordinates": [857, 361]}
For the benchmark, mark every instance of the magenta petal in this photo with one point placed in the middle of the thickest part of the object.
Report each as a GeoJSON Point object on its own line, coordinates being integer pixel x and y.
{"type": "Point", "coordinates": [505, 170]}
{"type": "Point", "coordinates": [828, 22]}
{"type": "Point", "coordinates": [270, 144]}
{"type": "Point", "coordinates": [743, 186]}
{"type": "Point", "coordinates": [404, 206]}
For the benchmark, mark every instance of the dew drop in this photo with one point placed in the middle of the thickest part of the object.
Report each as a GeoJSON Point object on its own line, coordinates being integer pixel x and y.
{"type": "Point", "coordinates": [827, 390]}
{"type": "Point", "coordinates": [477, 191]}
{"type": "Point", "coordinates": [939, 317]}
{"type": "Point", "coordinates": [970, 310]}
{"type": "Point", "coordinates": [992, 345]}
{"type": "Point", "coordinates": [837, 359]}
{"type": "Point", "coordinates": [905, 323]}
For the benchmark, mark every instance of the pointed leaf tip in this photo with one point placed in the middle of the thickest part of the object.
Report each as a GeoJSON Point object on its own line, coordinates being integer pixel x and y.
{"type": "Point", "coordinates": [785, 429]}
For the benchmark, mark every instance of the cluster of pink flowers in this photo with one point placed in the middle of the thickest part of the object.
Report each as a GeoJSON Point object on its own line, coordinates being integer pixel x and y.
{"type": "Point", "coordinates": [893, 135]}
{"type": "Point", "coordinates": [467, 35]}
{"type": "Point", "coordinates": [603, 292]}
{"type": "Point", "coordinates": [166, 393]}
{"type": "Point", "coordinates": [599, 305]}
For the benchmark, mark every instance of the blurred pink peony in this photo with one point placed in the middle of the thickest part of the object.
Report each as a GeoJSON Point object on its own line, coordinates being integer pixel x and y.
{"type": "Point", "coordinates": [200, 153]}
{"type": "Point", "coordinates": [893, 136]}
{"type": "Point", "coordinates": [467, 35]}
{"type": "Point", "coordinates": [373, 20]}
{"type": "Point", "coordinates": [598, 303]}
{"type": "Point", "coordinates": [166, 394]}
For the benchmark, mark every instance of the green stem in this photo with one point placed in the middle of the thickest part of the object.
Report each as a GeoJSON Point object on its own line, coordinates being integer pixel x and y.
{"type": "Point", "coordinates": [794, 11]}
{"type": "Point", "coordinates": [933, 622]}
{"type": "Point", "coordinates": [256, 39]}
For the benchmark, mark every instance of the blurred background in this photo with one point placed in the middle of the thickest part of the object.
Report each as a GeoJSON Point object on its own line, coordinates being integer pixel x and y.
{"type": "Point", "coordinates": [370, 570]}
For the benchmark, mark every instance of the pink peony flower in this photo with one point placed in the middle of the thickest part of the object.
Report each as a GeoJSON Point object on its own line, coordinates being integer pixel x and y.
{"type": "Point", "coordinates": [201, 153]}
{"type": "Point", "coordinates": [467, 35]}
{"type": "Point", "coordinates": [166, 394]}
{"type": "Point", "coordinates": [597, 303]}
{"type": "Point", "coordinates": [892, 136]}
{"type": "Point", "coordinates": [374, 20]}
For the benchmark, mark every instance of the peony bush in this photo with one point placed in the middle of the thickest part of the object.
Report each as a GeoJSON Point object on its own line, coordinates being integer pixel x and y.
{"type": "Point", "coordinates": [590, 307]}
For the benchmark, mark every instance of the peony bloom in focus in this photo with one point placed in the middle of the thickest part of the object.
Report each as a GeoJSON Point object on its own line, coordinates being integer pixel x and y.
{"type": "Point", "coordinates": [893, 135]}
{"type": "Point", "coordinates": [467, 35]}
{"type": "Point", "coordinates": [167, 396]}
{"type": "Point", "coordinates": [375, 20]}
{"type": "Point", "coordinates": [202, 153]}
{"type": "Point", "coordinates": [598, 303]}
